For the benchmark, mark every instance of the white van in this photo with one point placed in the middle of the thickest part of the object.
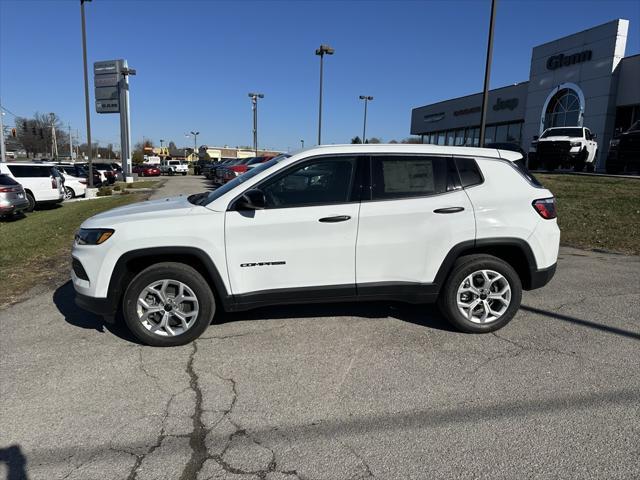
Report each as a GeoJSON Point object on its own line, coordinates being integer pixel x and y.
{"type": "Point", "coordinates": [42, 182]}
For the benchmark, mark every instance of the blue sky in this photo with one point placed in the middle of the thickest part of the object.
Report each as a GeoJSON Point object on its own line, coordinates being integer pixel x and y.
{"type": "Point", "coordinates": [197, 60]}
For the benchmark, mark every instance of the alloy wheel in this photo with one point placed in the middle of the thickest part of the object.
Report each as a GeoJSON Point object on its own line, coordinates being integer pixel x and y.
{"type": "Point", "coordinates": [483, 296]}
{"type": "Point", "coordinates": [167, 307]}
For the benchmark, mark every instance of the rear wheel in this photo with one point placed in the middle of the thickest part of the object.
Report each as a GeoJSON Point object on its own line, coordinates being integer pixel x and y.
{"type": "Point", "coordinates": [168, 304]}
{"type": "Point", "coordinates": [482, 294]}
{"type": "Point", "coordinates": [32, 202]}
{"type": "Point", "coordinates": [69, 193]}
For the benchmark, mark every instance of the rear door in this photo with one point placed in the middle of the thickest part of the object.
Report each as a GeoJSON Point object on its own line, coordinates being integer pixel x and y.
{"type": "Point", "coordinates": [416, 213]}
{"type": "Point", "coordinates": [305, 238]}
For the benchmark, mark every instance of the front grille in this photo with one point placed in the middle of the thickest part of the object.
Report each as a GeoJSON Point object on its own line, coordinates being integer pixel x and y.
{"type": "Point", "coordinates": [78, 269]}
{"type": "Point", "coordinates": [553, 150]}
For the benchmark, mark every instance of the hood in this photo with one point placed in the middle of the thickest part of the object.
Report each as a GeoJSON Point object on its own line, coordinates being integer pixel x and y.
{"type": "Point", "coordinates": [162, 209]}
{"type": "Point", "coordinates": [557, 138]}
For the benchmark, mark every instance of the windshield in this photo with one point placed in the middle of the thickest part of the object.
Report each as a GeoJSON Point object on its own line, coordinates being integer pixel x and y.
{"type": "Point", "coordinates": [634, 127]}
{"type": "Point", "coordinates": [562, 132]}
{"type": "Point", "coordinates": [206, 198]}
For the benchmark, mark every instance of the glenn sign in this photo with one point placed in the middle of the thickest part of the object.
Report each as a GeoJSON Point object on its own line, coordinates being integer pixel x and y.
{"type": "Point", "coordinates": [556, 61]}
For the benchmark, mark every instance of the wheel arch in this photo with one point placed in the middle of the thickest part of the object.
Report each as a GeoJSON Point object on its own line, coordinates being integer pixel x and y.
{"type": "Point", "coordinates": [134, 261]}
{"type": "Point", "coordinates": [515, 251]}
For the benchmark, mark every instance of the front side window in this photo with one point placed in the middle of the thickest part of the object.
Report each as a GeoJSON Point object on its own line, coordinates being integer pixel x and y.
{"type": "Point", "coordinates": [408, 176]}
{"type": "Point", "coordinates": [321, 182]}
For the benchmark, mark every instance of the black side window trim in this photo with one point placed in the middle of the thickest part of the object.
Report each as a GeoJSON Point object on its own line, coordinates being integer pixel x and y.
{"type": "Point", "coordinates": [477, 166]}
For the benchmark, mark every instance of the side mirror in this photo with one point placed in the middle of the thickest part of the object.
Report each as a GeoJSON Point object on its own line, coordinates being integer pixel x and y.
{"type": "Point", "coordinates": [253, 199]}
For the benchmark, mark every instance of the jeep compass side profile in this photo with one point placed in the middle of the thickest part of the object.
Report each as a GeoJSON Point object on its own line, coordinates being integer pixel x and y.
{"type": "Point", "coordinates": [466, 227]}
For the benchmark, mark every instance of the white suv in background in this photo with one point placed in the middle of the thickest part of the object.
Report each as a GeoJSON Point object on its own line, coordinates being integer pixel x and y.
{"type": "Point", "coordinates": [42, 182]}
{"type": "Point", "coordinates": [568, 147]}
{"type": "Point", "coordinates": [416, 223]}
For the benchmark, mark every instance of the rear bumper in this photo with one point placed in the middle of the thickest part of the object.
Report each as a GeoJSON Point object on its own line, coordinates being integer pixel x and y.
{"type": "Point", "coordinates": [539, 278]}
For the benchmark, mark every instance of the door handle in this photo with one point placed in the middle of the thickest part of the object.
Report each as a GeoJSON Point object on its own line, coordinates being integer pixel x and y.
{"type": "Point", "coordinates": [449, 210]}
{"type": "Point", "coordinates": [338, 218]}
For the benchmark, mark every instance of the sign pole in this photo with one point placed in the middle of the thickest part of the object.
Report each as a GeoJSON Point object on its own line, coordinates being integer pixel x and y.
{"type": "Point", "coordinates": [125, 134]}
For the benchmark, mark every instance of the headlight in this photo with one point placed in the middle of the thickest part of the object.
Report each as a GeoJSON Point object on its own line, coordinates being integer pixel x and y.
{"type": "Point", "coordinates": [93, 236]}
{"type": "Point", "coordinates": [614, 142]}
{"type": "Point", "coordinates": [576, 144]}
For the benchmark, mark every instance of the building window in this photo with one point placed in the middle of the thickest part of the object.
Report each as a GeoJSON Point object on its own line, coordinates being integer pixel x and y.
{"type": "Point", "coordinates": [514, 132]}
{"type": "Point", "coordinates": [459, 140]}
{"type": "Point", "coordinates": [441, 138]}
{"type": "Point", "coordinates": [501, 133]}
{"type": "Point", "coordinates": [563, 109]}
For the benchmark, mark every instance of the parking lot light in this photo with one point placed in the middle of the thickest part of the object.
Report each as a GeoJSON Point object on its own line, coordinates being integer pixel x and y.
{"type": "Point", "coordinates": [321, 51]}
{"type": "Point", "coordinates": [254, 106]}
{"type": "Point", "coordinates": [366, 99]}
{"type": "Point", "coordinates": [195, 142]}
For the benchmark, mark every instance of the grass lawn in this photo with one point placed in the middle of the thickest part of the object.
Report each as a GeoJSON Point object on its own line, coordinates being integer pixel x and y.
{"type": "Point", "coordinates": [35, 249]}
{"type": "Point", "coordinates": [597, 212]}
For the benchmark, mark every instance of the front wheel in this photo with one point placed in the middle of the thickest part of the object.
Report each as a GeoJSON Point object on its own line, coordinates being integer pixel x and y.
{"type": "Point", "coordinates": [168, 304]}
{"type": "Point", "coordinates": [69, 193]}
{"type": "Point", "coordinates": [32, 202]}
{"type": "Point", "coordinates": [482, 294]}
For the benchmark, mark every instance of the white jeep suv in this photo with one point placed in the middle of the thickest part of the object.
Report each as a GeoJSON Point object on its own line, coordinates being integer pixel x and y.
{"type": "Point", "coordinates": [415, 223]}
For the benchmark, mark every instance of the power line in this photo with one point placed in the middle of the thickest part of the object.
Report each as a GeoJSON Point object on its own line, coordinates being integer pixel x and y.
{"type": "Point", "coordinates": [9, 111]}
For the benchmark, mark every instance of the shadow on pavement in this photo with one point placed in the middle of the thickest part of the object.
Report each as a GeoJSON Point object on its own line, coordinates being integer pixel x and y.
{"type": "Point", "coordinates": [64, 299]}
{"type": "Point", "coordinates": [16, 462]}
{"type": "Point", "coordinates": [584, 323]}
{"type": "Point", "coordinates": [422, 315]}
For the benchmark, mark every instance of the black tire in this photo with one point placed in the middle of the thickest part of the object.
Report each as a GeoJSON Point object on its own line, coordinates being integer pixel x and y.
{"type": "Point", "coordinates": [173, 271]}
{"type": "Point", "coordinates": [69, 193]}
{"type": "Point", "coordinates": [465, 266]}
{"type": "Point", "coordinates": [578, 166]}
{"type": "Point", "coordinates": [32, 202]}
{"type": "Point", "coordinates": [590, 167]}
{"type": "Point", "coordinates": [184, 173]}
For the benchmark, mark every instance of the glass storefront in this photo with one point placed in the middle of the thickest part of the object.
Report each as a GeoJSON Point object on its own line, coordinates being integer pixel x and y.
{"type": "Point", "coordinates": [470, 137]}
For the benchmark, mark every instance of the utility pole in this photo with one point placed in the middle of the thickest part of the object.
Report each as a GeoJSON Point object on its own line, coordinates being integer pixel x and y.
{"type": "Point", "coordinates": [70, 145]}
{"type": "Point", "coordinates": [3, 154]}
{"type": "Point", "coordinates": [86, 91]}
{"type": "Point", "coordinates": [54, 141]}
{"type": "Point", "coordinates": [195, 143]}
{"type": "Point", "coordinates": [487, 74]}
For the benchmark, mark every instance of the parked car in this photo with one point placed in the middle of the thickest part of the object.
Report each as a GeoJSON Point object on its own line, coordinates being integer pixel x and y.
{"type": "Point", "coordinates": [144, 170]}
{"type": "Point", "coordinates": [117, 170]}
{"type": "Point", "coordinates": [174, 167]}
{"type": "Point", "coordinates": [209, 171]}
{"type": "Point", "coordinates": [80, 171]}
{"type": "Point", "coordinates": [200, 165]}
{"type": "Point", "coordinates": [624, 151]}
{"type": "Point", "coordinates": [106, 171]}
{"type": "Point", "coordinates": [258, 160]}
{"type": "Point", "coordinates": [567, 147]}
{"type": "Point", "coordinates": [42, 182]}
{"type": "Point", "coordinates": [414, 223]}
{"type": "Point", "coordinates": [73, 186]}
{"type": "Point", "coordinates": [231, 170]}
{"type": "Point", "coordinates": [12, 196]}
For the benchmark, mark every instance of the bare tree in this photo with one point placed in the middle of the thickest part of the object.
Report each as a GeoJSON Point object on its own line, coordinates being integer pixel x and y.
{"type": "Point", "coordinates": [374, 140]}
{"type": "Point", "coordinates": [412, 140]}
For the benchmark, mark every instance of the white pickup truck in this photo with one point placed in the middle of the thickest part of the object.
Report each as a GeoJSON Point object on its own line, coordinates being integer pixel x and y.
{"type": "Point", "coordinates": [566, 147]}
{"type": "Point", "coordinates": [174, 167]}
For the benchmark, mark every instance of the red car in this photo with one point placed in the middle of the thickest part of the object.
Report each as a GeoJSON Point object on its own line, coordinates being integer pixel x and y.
{"type": "Point", "coordinates": [146, 171]}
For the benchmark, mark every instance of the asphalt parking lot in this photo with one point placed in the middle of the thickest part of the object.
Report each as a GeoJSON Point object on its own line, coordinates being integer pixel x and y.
{"type": "Point", "coordinates": [341, 391]}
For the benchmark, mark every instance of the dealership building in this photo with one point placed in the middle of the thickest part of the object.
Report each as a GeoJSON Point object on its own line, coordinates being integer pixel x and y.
{"type": "Point", "coordinates": [583, 79]}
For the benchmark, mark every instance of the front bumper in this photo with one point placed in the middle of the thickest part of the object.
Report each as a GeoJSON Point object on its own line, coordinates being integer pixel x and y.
{"type": "Point", "coordinates": [99, 306]}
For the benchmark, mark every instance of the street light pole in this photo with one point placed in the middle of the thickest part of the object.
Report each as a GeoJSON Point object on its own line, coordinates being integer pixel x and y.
{"type": "Point", "coordinates": [86, 90]}
{"type": "Point", "coordinates": [3, 155]}
{"type": "Point", "coordinates": [302, 143]}
{"type": "Point", "coordinates": [254, 106]}
{"type": "Point", "coordinates": [321, 51]}
{"type": "Point", "coordinates": [195, 142]}
{"type": "Point", "coordinates": [366, 99]}
{"type": "Point", "coordinates": [487, 74]}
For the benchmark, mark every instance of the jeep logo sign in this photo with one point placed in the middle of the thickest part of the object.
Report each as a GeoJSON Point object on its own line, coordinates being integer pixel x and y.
{"type": "Point", "coordinates": [562, 60]}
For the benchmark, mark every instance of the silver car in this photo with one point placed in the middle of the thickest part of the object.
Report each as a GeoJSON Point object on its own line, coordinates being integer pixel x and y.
{"type": "Point", "coordinates": [12, 197]}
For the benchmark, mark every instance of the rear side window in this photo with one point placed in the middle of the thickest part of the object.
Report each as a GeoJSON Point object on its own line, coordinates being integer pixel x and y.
{"type": "Point", "coordinates": [522, 168]}
{"type": "Point", "coordinates": [469, 172]}
{"type": "Point", "coordinates": [30, 171]}
{"type": "Point", "coordinates": [7, 180]}
{"type": "Point", "coordinates": [397, 176]}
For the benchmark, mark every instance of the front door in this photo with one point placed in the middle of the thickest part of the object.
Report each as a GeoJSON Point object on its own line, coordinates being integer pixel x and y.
{"type": "Point", "coordinates": [305, 237]}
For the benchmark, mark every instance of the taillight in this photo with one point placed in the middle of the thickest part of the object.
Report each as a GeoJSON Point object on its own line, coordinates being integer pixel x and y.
{"type": "Point", "coordinates": [546, 207]}
{"type": "Point", "coordinates": [8, 190]}
{"type": "Point", "coordinates": [84, 182]}
{"type": "Point", "coordinates": [239, 168]}
{"type": "Point", "coordinates": [54, 184]}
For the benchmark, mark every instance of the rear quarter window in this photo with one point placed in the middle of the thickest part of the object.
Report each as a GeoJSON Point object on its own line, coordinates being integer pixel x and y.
{"type": "Point", "coordinates": [469, 172]}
